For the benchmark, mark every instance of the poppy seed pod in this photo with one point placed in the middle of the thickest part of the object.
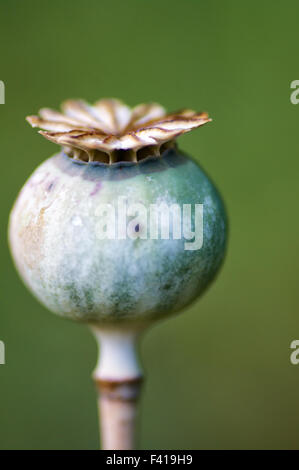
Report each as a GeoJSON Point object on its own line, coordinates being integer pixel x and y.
{"type": "Point", "coordinates": [120, 225]}
{"type": "Point", "coordinates": [117, 230]}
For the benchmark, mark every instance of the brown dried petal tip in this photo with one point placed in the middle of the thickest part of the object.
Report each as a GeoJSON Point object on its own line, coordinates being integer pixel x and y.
{"type": "Point", "coordinates": [110, 131]}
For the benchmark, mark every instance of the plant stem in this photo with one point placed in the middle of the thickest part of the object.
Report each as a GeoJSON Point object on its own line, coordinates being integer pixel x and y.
{"type": "Point", "coordinates": [118, 378]}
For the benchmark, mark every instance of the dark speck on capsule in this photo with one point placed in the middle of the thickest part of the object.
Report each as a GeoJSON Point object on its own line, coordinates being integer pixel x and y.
{"type": "Point", "coordinates": [50, 186]}
{"type": "Point", "coordinates": [137, 228]}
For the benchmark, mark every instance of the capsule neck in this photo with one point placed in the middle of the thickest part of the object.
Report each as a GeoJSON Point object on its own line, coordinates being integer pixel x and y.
{"type": "Point", "coordinates": [118, 354]}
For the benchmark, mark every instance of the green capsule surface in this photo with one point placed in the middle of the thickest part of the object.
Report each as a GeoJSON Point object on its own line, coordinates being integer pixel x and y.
{"type": "Point", "coordinates": [69, 245]}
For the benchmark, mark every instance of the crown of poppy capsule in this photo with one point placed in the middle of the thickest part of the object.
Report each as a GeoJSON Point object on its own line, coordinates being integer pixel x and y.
{"type": "Point", "coordinates": [110, 131]}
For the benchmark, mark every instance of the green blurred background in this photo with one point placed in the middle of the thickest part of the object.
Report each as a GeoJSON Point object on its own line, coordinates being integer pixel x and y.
{"type": "Point", "coordinates": [219, 375]}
